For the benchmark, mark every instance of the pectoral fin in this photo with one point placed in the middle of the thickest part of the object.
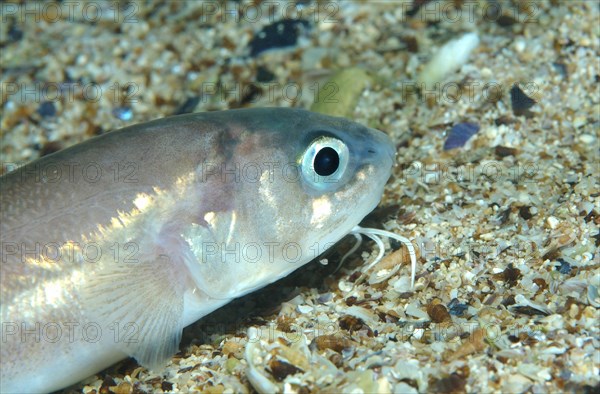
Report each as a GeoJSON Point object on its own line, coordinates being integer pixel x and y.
{"type": "Point", "coordinates": [144, 296]}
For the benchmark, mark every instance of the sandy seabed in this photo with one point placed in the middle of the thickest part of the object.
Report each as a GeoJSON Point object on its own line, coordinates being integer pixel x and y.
{"type": "Point", "coordinates": [506, 226]}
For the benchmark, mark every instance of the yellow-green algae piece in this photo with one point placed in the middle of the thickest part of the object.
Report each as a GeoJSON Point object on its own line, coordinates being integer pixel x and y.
{"type": "Point", "coordinates": [340, 94]}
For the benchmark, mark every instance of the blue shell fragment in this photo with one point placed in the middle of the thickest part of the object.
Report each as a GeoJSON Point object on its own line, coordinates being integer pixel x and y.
{"type": "Point", "coordinates": [123, 113]}
{"type": "Point", "coordinates": [460, 134]}
{"type": "Point", "coordinates": [457, 308]}
{"type": "Point", "coordinates": [564, 267]}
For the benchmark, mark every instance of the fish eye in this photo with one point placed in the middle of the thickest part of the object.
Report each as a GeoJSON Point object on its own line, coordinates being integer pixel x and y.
{"type": "Point", "coordinates": [324, 161]}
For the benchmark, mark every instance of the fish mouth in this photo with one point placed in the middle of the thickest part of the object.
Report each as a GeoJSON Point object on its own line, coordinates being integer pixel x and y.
{"type": "Point", "coordinates": [380, 157]}
{"type": "Point", "coordinates": [381, 152]}
{"type": "Point", "coordinates": [390, 153]}
{"type": "Point", "coordinates": [388, 147]}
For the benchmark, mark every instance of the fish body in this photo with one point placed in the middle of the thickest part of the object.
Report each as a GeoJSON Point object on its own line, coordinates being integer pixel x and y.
{"type": "Point", "coordinates": [111, 247]}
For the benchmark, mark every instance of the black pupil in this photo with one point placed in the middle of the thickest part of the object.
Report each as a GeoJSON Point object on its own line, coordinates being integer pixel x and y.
{"type": "Point", "coordinates": [326, 161]}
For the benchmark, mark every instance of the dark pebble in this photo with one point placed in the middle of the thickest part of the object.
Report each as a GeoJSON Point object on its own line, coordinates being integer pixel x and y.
{"type": "Point", "coordinates": [50, 147]}
{"type": "Point", "coordinates": [106, 384]}
{"type": "Point", "coordinates": [188, 106]}
{"type": "Point", "coordinates": [564, 267]}
{"type": "Point", "coordinates": [454, 383]}
{"type": "Point", "coordinates": [493, 12]}
{"type": "Point", "coordinates": [590, 216]}
{"type": "Point", "coordinates": [504, 151]}
{"type": "Point", "coordinates": [460, 134]}
{"type": "Point", "coordinates": [412, 45]}
{"type": "Point", "coordinates": [280, 34]}
{"type": "Point", "coordinates": [395, 244]}
{"type": "Point", "coordinates": [509, 300]}
{"type": "Point", "coordinates": [350, 323]}
{"type": "Point", "coordinates": [561, 68]}
{"type": "Point", "coordinates": [438, 313]}
{"type": "Point", "coordinates": [504, 120]}
{"type": "Point", "coordinates": [506, 21]}
{"type": "Point", "coordinates": [264, 75]}
{"type": "Point", "coordinates": [46, 109]}
{"type": "Point", "coordinates": [281, 369]}
{"type": "Point", "coordinates": [504, 215]}
{"type": "Point", "coordinates": [252, 92]}
{"type": "Point", "coordinates": [520, 101]}
{"type": "Point", "coordinates": [511, 275]}
{"type": "Point", "coordinates": [14, 33]}
{"type": "Point", "coordinates": [416, 5]}
{"type": "Point", "coordinates": [529, 311]}
{"type": "Point", "coordinates": [456, 308]}
{"type": "Point", "coordinates": [525, 212]}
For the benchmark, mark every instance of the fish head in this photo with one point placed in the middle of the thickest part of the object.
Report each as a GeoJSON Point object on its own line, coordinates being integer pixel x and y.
{"type": "Point", "coordinates": [298, 182]}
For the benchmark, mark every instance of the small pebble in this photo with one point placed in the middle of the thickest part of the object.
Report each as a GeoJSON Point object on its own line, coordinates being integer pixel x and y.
{"type": "Point", "coordinates": [520, 45]}
{"type": "Point", "coordinates": [586, 138]}
{"type": "Point", "coordinates": [304, 308]}
{"type": "Point", "coordinates": [552, 222]}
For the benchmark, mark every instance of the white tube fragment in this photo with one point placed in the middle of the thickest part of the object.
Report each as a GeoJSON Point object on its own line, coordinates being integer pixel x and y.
{"type": "Point", "coordinates": [448, 59]}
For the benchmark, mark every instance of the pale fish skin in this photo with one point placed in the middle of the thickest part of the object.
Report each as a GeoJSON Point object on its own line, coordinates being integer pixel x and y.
{"type": "Point", "coordinates": [111, 247]}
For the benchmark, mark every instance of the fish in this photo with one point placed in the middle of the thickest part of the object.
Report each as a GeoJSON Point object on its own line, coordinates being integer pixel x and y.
{"type": "Point", "coordinates": [109, 248]}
